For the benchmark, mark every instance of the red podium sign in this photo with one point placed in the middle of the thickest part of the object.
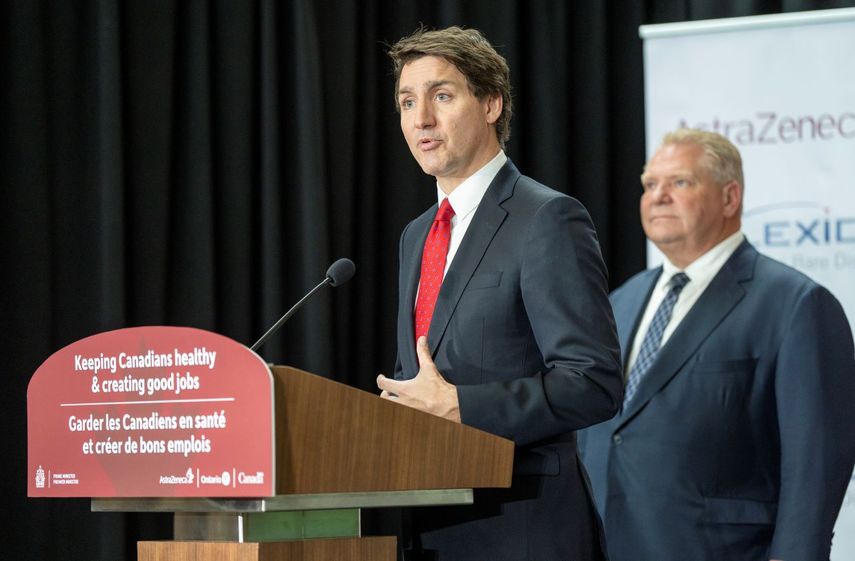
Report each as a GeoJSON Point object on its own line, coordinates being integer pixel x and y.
{"type": "Point", "coordinates": [151, 412]}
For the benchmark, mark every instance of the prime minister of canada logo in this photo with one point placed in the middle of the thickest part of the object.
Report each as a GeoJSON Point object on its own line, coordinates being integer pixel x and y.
{"type": "Point", "coordinates": [40, 478]}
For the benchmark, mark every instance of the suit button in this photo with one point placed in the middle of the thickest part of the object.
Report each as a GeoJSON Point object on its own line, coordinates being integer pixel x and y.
{"type": "Point", "coordinates": [617, 439]}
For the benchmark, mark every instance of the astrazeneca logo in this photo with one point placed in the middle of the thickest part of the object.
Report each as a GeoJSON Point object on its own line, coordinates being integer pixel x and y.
{"type": "Point", "coordinates": [771, 128]}
{"type": "Point", "coordinates": [186, 479]}
{"type": "Point", "coordinates": [798, 225]}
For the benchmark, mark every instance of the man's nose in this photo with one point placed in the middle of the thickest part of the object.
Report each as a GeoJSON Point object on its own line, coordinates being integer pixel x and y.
{"type": "Point", "coordinates": [658, 193]}
{"type": "Point", "coordinates": [424, 116]}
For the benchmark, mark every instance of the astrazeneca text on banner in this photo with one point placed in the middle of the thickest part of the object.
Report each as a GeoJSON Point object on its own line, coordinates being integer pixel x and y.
{"type": "Point", "coordinates": [782, 88]}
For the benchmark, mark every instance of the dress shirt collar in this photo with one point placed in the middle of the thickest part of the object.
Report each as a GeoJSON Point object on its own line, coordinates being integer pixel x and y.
{"type": "Point", "coordinates": [702, 270]}
{"type": "Point", "coordinates": [465, 198]}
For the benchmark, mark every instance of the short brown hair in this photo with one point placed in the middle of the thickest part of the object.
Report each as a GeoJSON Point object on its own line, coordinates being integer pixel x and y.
{"type": "Point", "coordinates": [486, 71]}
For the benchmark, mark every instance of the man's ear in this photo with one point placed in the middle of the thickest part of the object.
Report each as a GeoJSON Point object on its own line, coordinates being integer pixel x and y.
{"type": "Point", "coordinates": [493, 107]}
{"type": "Point", "coordinates": [732, 193]}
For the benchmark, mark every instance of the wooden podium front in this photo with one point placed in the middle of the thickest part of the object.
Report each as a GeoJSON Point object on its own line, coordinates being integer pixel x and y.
{"type": "Point", "coordinates": [338, 449]}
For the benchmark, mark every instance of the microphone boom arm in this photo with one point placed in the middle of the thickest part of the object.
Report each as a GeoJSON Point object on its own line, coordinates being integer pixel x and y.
{"type": "Point", "coordinates": [288, 314]}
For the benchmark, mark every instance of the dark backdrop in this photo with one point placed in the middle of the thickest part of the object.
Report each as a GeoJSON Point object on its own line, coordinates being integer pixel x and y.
{"type": "Point", "coordinates": [202, 163]}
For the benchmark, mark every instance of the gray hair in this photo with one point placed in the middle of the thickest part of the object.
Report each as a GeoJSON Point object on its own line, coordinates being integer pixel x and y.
{"type": "Point", "coordinates": [721, 158]}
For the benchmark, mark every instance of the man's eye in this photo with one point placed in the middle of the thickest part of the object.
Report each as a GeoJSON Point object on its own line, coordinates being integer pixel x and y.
{"type": "Point", "coordinates": [443, 97]}
{"type": "Point", "coordinates": [648, 185]}
{"type": "Point", "coordinates": [407, 104]}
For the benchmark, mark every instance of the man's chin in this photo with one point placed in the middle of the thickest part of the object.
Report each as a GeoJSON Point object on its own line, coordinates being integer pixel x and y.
{"type": "Point", "coordinates": [663, 229]}
{"type": "Point", "coordinates": [662, 240]}
{"type": "Point", "coordinates": [432, 169]}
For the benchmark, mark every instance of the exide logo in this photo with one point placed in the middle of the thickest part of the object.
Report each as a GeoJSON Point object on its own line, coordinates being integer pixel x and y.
{"type": "Point", "coordinates": [797, 224]}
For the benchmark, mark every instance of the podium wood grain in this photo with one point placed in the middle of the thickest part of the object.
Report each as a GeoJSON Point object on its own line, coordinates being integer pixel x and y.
{"type": "Point", "coordinates": [351, 549]}
{"type": "Point", "coordinates": [334, 438]}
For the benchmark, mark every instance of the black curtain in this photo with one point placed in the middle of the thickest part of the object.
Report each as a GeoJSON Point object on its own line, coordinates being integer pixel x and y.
{"type": "Point", "coordinates": [202, 163]}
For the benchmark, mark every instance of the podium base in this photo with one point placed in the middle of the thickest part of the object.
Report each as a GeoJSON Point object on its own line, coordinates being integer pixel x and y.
{"type": "Point", "coordinates": [344, 549]}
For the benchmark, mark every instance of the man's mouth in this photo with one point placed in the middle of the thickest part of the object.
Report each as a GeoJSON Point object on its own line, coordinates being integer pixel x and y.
{"type": "Point", "coordinates": [427, 144]}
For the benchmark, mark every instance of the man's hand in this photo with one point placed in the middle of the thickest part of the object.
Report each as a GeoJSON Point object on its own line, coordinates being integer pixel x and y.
{"type": "Point", "coordinates": [428, 391]}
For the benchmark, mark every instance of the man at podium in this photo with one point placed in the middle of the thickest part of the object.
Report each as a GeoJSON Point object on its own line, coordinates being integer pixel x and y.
{"type": "Point", "coordinates": [504, 322]}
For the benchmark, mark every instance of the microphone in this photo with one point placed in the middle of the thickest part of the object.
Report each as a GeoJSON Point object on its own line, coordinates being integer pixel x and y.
{"type": "Point", "coordinates": [339, 273]}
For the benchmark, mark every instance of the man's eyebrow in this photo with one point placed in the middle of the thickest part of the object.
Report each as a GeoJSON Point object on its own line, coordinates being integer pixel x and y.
{"type": "Point", "coordinates": [432, 85]}
{"type": "Point", "coordinates": [439, 83]}
{"type": "Point", "coordinates": [671, 175]}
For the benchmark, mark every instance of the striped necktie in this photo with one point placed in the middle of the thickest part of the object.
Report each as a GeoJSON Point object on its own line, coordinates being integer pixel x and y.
{"type": "Point", "coordinates": [653, 337]}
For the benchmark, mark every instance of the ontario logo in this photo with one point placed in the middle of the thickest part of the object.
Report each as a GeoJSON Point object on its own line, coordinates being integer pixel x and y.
{"type": "Point", "coordinates": [186, 479]}
{"type": "Point", "coordinates": [224, 479]}
{"type": "Point", "coordinates": [40, 478]}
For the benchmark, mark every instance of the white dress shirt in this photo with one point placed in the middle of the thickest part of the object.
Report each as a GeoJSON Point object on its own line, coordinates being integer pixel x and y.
{"type": "Point", "coordinates": [700, 272]}
{"type": "Point", "coordinates": [465, 200]}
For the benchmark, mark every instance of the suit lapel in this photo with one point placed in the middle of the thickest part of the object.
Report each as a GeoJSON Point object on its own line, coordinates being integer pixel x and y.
{"type": "Point", "coordinates": [486, 222]}
{"type": "Point", "coordinates": [717, 301]}
{"type": "Point", "coordinates": [635, 311]}
{"type": "Point", "coordinates": [629, 315]}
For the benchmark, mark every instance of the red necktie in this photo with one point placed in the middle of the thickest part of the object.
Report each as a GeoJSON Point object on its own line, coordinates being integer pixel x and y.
{"type": "Point", "coordinates": [433, 266]}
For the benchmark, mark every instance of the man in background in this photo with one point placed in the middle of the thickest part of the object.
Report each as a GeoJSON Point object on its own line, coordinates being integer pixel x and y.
{"type": "Point", "coordinates": [735, 439]}
{"type": "Point", "coordinates": [504, 322]}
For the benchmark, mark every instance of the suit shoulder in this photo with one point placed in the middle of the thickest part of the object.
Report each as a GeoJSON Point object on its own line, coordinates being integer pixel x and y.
{"type": "Point", "coordinates": [535, 195]}
{"type": "Point", "coordinates": [531, 188]}
{"type": "Point", "coordinates": [782, 283]}
{"type": "Point", "coordinates": [772, 269]}
{"type": "Point", "coordinates": [783, 278]}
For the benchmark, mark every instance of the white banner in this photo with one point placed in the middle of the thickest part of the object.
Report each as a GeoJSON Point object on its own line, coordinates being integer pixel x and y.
{"type": "Point", "coordinates": [782, 88]}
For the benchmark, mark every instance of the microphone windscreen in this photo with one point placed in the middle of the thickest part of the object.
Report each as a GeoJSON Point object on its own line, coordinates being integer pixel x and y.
{"type": "Point", "coordinates": [341, 271]}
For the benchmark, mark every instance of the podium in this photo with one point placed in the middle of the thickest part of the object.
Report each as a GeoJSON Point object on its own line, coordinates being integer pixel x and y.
{"type": "Point", "coordinates": [337, 450]}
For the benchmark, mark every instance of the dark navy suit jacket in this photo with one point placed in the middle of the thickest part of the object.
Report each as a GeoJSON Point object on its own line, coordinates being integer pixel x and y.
{"type": "Point", "coordinates": [739, 443]}
{"type": "Point", "coordinates": [523, 327]}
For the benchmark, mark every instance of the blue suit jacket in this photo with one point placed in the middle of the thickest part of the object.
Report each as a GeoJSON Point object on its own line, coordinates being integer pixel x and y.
{"type": "Point", "coordinates": [739, 443]}
{"type": "Point", "coordinates": [523, 327]}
